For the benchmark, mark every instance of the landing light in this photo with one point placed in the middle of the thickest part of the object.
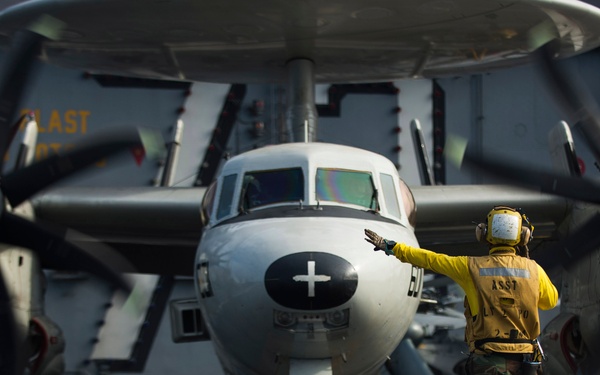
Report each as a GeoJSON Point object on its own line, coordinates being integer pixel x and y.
{"type": "Point", "coordinates": [284, 319]}
{"type": "Point", "coordinates": [338, 318]}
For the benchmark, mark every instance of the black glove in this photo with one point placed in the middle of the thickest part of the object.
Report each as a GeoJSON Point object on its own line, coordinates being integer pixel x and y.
{"type": "Point", "coordinates": [379, 242]}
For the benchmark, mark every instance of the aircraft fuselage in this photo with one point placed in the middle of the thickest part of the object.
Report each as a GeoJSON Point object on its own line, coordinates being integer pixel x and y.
{"type": "Point", "coordinates": [288, 284]}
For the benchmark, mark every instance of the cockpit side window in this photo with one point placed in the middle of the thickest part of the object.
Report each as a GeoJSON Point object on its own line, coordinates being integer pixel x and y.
{"type": "Point", "coordinates": [389, 194]}
{"type": "Point", "coordinates": [345, 186]}
{"type": "Point", "coordinates": [226, 198]}
{"type": "Point", "coordinates": [408, 200]}
{"type": "Point", "coordinates": [208, 202]}
{"type": "Point", "coordinates": [263, 188]}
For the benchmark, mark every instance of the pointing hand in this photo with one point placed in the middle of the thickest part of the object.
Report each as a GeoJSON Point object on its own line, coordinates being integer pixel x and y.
{"type": "Point", "coordinates": [379, 242]}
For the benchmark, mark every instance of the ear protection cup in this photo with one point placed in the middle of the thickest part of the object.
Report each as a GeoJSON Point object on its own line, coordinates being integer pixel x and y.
{"type": "Point", "coordinates": [525, 236]}
{"type": "Point", "coordinates": [481, 232]}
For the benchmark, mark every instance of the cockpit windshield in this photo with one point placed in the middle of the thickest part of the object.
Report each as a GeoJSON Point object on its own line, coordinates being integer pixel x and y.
{"type": "Point", "coordinates": [345, 186]}
{"type": "Point", "coordinates": [263, 188]}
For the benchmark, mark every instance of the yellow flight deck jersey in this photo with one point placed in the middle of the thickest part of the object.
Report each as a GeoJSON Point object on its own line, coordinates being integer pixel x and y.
{"type": "Point", "coordinates": [502, 316]}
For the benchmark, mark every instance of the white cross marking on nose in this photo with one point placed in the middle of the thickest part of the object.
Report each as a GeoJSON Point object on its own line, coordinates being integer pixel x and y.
{"type": "Point", "coordinates": [311, 278]}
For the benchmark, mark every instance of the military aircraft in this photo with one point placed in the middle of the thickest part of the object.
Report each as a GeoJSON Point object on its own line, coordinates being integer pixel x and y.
{"type": "Point", "coordinates": [285, 282]}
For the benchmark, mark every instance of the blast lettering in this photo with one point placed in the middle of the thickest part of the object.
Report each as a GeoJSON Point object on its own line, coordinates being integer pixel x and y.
{"type": "Point", "coordinates": [84, 115]}
{"type": "Point", "coordinates": [55, 147]}
{"type": "Point", "coordinates": [41, 151]}
{"type": "Point", "coordinates": [70, 122]}
{"type": "Point", "coordinates": [71, 126]}
{"type": "Point", "coordinates": [55, 122]}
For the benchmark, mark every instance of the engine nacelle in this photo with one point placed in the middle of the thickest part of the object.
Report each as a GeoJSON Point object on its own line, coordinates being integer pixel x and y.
{"type": "Point", "coordinates": [48, 345]}
{"type": "Point", "coordinates": [563, 345]}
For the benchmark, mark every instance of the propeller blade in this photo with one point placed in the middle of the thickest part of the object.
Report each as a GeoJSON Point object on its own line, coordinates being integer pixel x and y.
{"type": "Point", "coordinates": [575, 100]}
{"type": "Point", "coordinates": [55, 250]}
{"type": "Point", "coordinates": [569, 250]}
{"type": "Point", "coordinates": [529, 177]}
{"type": "Point", "coordinates": [18, 66]}
{"type": "Point", "coordinates": [15, 128]}
{"type": "Point", "coordinates": [23, 183]}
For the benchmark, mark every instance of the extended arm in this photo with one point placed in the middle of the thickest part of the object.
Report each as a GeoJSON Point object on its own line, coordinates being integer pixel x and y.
{"type": "Point", "coordinates": [453, 267]}
{"type": "Point", "coordinates": [548, 292]}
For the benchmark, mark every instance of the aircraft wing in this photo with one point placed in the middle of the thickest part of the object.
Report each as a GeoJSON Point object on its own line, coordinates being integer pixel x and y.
{"type": "Point", "coordinates": [447, 215]}
{"type": "Point", "coordinates": [158, 229]}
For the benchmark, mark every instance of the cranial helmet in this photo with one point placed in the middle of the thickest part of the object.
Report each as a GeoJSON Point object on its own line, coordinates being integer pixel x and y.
{"type": "Point", "coordinates": [504, 226]}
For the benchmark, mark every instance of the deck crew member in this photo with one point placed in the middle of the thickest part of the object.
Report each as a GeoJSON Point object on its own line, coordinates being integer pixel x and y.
{"type": "Point", "coordinates": [503, 292]}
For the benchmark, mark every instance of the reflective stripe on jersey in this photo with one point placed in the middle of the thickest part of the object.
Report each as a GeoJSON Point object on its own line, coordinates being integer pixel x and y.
{"type": "Point", "coordinates": [501, 271]}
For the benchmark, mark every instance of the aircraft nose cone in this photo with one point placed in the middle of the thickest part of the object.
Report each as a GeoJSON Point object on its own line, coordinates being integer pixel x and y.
{"type": "Point", "coordinates": [311, 281]}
